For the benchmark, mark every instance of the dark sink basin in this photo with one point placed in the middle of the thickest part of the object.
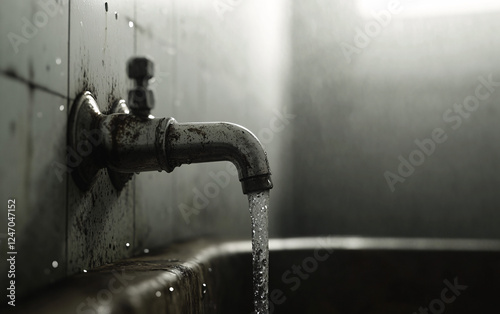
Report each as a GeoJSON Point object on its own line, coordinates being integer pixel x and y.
{"type": "Point", "coordinates": [307, 275]}
{"type": "Point", "coordinates": [388, 276]}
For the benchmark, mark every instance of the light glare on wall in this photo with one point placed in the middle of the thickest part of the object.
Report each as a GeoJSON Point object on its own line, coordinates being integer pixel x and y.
{"type": "Point", "coordinates": [423, 8]}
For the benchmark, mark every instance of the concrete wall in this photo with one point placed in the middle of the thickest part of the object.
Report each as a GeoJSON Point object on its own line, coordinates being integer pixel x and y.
{"type": "Point", "coordinates": [361, 102]}
{"type": "Point", "coordinates": [213, 62]}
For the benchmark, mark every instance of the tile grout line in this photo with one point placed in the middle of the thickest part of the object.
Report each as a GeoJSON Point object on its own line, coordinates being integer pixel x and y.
{"type": "Point", "coordinates": [175, 40]}
{"type": "Point", "coordinates": [67, 115]}
{"type": "Point", "coordinates": [15, 77]}
{"type": "Point", "coordinates": [134, 186]}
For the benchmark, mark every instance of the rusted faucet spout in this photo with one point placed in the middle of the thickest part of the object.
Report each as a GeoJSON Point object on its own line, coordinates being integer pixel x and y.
{"type": "Point", "coordinates": [217, 141]}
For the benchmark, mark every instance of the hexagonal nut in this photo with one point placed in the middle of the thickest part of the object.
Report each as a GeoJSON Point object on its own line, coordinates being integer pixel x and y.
{"type": "Point", "coordinates": [140, 68]}
{"type": "Point", "coordinates": [141, 98]}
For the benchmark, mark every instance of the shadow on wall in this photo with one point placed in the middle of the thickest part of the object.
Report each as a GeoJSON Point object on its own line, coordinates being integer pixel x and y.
{"type": "Point", "coordinates": [371, 91]}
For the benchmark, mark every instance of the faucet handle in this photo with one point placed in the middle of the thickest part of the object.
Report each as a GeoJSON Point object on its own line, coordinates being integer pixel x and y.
{"type": "Point", "coordinates": [140, 69]}
{"type": "Point", "coordinates": [140, 98]}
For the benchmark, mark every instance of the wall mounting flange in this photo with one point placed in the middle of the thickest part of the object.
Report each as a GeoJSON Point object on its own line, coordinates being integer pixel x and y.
{"type": "Point", "coordinates": [85, 140]}
{"type": "Point", "coordinates": [119, 179]}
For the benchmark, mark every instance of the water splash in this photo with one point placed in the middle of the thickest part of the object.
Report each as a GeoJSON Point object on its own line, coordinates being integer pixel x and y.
{"type": "Point", "coordinates": [258, 204]}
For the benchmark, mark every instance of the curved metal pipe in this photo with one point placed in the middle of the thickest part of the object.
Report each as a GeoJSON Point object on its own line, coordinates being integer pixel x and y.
{"type": "Point", "coordinates": [130, 144]}
{"type": "Point", "coordinates": [134, 144]}
{"type": "Point", "coordinates": [187, 143]}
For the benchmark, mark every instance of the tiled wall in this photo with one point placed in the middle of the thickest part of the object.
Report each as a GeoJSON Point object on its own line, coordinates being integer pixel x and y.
{"type": "Point", "coordinates": [213, 62]}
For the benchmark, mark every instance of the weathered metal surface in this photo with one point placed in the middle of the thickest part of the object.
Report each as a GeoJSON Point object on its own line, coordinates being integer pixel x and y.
{"type": "Point", "coordinates": [201, 142]}
{"type": "Point", "coordinates": [141, 99]}
{"type": "Point", "coordinates": [130, 144]}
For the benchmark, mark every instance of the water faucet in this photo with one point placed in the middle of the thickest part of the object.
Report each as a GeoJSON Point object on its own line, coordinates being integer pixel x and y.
{"type": "Point", "coordinates": [129, 140]}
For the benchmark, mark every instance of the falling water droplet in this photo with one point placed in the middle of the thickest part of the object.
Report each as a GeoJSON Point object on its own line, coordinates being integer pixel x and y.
{"type": "Point", "coordinates": [158, 294]}
{"type": "Point", "coordinates": [55, 264]}
{"type": "Point", "coordinates": [39, 114]}
{"type": "Point", "coordinates": [84, 270]}
{"type": "Point", "coordinates": [58, 61]}
{"type": "Point", "coordinates": [61, 107]}
{"type": "Point", "coordinates": [116, 15]}
{"type": "Point", "coordinates": [127, 244]}
{"type": "Point", "coordinates": [203, 290]}
{"type": "Point", "coordinates": [130, 24]}
{"type": "Point", "coordinates": [146, 251]}
{"type": "Point", "coordinates": [171, 289]}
